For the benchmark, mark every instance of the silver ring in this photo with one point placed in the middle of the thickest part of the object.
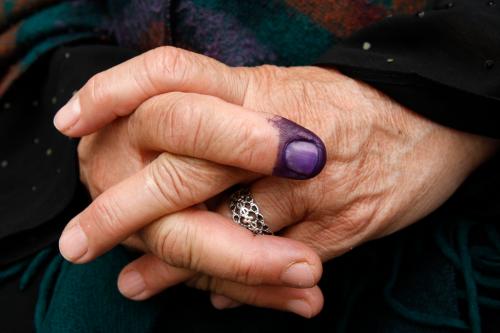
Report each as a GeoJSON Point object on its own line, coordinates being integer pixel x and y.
{"type": "Point", "coordinates": [246, 213]}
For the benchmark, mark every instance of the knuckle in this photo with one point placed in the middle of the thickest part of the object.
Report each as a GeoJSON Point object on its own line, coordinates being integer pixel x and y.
{"type": "Point", "coordinates": [169, 117]}
{"type": "Point", "coordinates": [143, 120]}
{"type": "Point", "coordinates": [351, 226]}
{"type": "Point", "coordinates": [240, 79]}
{"type": "Point", "coordinates": [248, 269]}
{"type": "Point", "coordinates": [335, 233]}
{"type": "Point", "coordinates": [175, 244]}
{"type": "Point", "coordinates": [180, 182]}
{"type": "Point", "coordinates": [97, 89]}
{"type": "Point", "coordinates": [171, 62]}
{"type": "Point", "coordinates": [356, 220]}
{"type": "Point", "coordinates": [185, 123]}
{"type": "Point", "coordinates": [263, 77]}
{"type": "Point", "coordinates": [268, 73]}
{"type": "Point", "coordinates": [147, 79]}
{"type": "Point", "coordinates": [165, 182]}
{"type": "Point", "coordinates": [251, 149]}
{"type": "Point", "coordinates": [260, 79]}
{"type": "Point", "coordinates": [287, 199]}
{"type": "Point", "coordinates": [178, 117]}
{"type": "Point", "coordinates": [106, 214]}
{"type": "Point", "coordinates": [166, 244]}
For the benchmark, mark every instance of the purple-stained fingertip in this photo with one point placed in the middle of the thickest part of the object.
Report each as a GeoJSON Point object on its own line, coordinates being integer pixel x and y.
{"type": "Point", "coordinates": [302, 157]}
{"type": "Point", "coordinates": [301, 153]}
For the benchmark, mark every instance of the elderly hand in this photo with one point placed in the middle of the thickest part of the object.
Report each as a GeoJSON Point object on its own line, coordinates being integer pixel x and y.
{"type": "Point", "coordinates": [386, 168]}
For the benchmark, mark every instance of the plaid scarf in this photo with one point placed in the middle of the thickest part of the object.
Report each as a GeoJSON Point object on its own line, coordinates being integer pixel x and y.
{"type": "Point", "coordinates": [239, 33]}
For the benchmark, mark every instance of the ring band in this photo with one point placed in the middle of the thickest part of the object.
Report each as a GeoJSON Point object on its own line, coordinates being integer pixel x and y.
{"type": "Point", "coordinates": [246, 213]}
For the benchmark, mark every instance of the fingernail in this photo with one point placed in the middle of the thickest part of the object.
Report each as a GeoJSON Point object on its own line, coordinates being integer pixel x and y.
{"type": "Point", "coordinates": [299, 307]}
{"type": "Point", "coordinates": [132, 284]}
{"type": "Point", "coordinates": [298, 275]}
{"type": "Point", "coordinates": [301, 155]}
{"type": "Point", "coordinates": [68, 115]}
{"type": "Point", "coordinates": [73, 243]}
{"type": "Point", "coordinates": [221, 302]}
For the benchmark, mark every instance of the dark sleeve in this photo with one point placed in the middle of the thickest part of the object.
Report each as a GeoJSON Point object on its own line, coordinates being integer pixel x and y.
{"type": "Point", "coordinates": [443, 63]}
{"type": "Point", "coordinates": [39, 188]}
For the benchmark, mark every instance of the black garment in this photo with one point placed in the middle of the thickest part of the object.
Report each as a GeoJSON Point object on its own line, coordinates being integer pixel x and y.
{"type": "Point", "coordinates": [40, 187]}
{"type": "Point", "coordinates": [443, 63]}
{"type": "Point", "coordinates": [39, 173]}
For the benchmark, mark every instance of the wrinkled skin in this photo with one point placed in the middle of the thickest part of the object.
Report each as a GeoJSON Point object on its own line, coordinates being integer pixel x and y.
{"type": "Point", "coordinates": [386, 169]}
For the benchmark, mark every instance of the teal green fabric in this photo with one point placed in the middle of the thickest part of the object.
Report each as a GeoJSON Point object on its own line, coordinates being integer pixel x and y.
{"type": "Point", "coordinates": [84, 298]}
{"type": "Point", "coordinates": [34, 31]}
{"type": "Point", "coordinates": [440, 275]}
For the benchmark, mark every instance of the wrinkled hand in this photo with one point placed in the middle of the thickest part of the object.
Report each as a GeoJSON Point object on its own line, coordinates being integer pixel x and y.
{"type": "Point", "coordinates": [386, 169]}
{"type": "Point", "coordinates": [108, 157]}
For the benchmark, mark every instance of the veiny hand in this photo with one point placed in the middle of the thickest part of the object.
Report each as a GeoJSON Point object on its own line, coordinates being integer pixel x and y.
{"type": "Point", "coordinates": [386, 168]}
{"type": "Point", "coordinates": [171, 183]}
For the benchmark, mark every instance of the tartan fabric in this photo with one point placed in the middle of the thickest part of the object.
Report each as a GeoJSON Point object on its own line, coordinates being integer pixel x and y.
{"type": "Point", "coordinates": [240, 33]}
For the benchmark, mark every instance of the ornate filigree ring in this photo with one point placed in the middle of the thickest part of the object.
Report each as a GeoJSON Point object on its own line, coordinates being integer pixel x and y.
{"type": "Point", "coordinates": [246, 213]}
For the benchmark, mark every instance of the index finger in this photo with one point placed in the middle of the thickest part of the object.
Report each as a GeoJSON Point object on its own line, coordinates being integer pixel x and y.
{"type": "Point", "coordinates": [166, 185]}
{"type": "Point", "coordinates": [119, 90]}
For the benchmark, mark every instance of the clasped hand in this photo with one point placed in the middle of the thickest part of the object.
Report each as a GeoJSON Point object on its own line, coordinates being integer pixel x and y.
{"type": "Point", "coordinates": [331, 162]}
